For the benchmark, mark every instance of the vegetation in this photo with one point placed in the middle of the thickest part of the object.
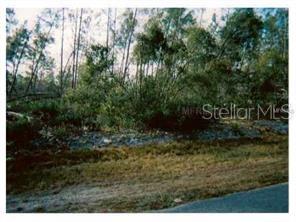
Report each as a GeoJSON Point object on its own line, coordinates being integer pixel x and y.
{"type": "Point", "coordinates": [152, 69]}
{"type": "Point", "coordinates": [150, 177]}
{"type": "Point", "coordinates": [75, 71]}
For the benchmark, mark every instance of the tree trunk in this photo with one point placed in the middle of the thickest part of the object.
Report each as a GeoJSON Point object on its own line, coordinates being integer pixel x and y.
{"type": "Point", "coordinates": [201, 15]}
{"type": "Point", "coordinates": [114, 39]}
{"type": "Point", "coordinates": [78, 47]}
{"type": "Point", "coordinates": [128, 46]}
{"type": "Point", "coordinates": [16, 67]}
{"type": "Point", "coordinates": [122, 60]}
{"type": "Point", "coordinates": [108, 26]}
{"type": "Point", "coordinates": [62, 52]}
{"type": "Point", "coordinates": [147, 69]}
{"type": "Point", "coordinates": [74, 50]}
{"type": "Point", "coordinates": [35, 68]}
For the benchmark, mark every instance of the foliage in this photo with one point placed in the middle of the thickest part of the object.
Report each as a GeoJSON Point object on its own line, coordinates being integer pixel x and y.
{"type": "Point", "coordinates": [146, 75]}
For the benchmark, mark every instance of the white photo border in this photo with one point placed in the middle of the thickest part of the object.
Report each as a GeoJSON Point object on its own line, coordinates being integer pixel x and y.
{"type": "Point", "coordinates": [270, 217]}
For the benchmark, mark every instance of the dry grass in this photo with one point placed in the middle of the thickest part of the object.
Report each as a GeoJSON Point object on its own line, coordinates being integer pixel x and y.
{"type": "Point", "coordinates": [152, 177]}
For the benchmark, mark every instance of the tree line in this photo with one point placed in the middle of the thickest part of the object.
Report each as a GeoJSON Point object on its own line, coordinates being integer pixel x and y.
{"type": "Point", "coordinates": [149, 67]}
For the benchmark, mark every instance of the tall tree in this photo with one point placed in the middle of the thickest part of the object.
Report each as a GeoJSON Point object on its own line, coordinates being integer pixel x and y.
{"type": "Point", "coordinates": [11, 21]}
{"type": "Point", "coordinates": [78, 48]}
{"type": "Point", "coordinates": [74, 47]}
{"type": "Point", "coordinates": [114, 41]}
{"type": "Point", "coordinates": [131, 33]}
{"type": "Point", "coordinates": [108, 27]}
{"type": "Point", "coordinates": [124, 36]}
{"type": "Point", "coordinates": [16, 51]}
{"type": "Point", "coordinates": [47, 20]}
{"type": "Point", "coordinates": [240, 39]}
{"type": "Point", "coordinates": [62, 52]}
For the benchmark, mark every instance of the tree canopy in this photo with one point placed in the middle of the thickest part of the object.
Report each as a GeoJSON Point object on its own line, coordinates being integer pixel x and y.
{"type": "Point", "coordinates": [146, 67]}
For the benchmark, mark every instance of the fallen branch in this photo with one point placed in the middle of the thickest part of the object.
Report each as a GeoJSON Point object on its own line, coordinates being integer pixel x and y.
{"type": "Point", "coordinates": [37, 96]}
{"type": "Point", "coordinates": [13, 115]}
